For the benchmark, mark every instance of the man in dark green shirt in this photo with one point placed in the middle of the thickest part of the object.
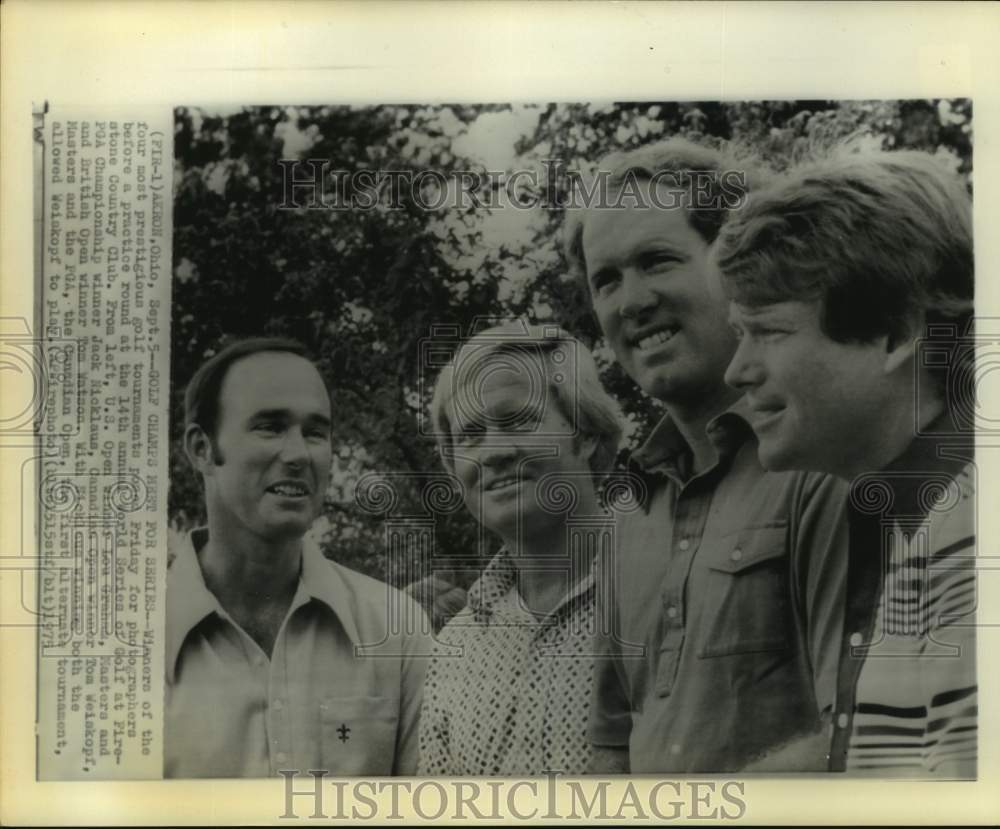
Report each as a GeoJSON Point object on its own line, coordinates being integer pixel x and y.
{"type": "Point", "coordinates": [722, 606]}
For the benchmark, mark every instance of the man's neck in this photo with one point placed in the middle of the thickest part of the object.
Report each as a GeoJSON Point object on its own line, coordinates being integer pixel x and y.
{"type": "Point", "coordinates": [548, 566]}
{"type": "Point", "coordinates": [245, 571]}
{"type": "Point", "coordinates": [543, 589]}
{"type": "Point", "coordinates": [692, 418]}
{"type": "Point", "coordinates": [895, 436]}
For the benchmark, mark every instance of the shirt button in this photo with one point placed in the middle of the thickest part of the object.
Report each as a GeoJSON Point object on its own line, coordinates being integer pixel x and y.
{"type": "Point", "coordinates": [277, 705]}
{"type": "Point", "coordinates": [684, 543]}
{"type": "Point", "coordinates": [672, 612]}
{"type": "Point", "coordinates": [281, 757]}
{"type": "Point", "coordinates": [856, 639]}
{"type": "Point", "coordinates": [736, 554]}
{"type": "Point", "coordinates": [675, 748]}
{"type": "Point", "coordinates": [842, 721]}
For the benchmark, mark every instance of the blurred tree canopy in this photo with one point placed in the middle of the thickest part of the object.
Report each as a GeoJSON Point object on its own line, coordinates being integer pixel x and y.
{"type": "Point", "coordinates": [364, 288]}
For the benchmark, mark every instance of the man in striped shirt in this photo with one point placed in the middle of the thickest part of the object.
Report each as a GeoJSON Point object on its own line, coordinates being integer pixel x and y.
{"type": "Point", "coordinates": [851, 282]}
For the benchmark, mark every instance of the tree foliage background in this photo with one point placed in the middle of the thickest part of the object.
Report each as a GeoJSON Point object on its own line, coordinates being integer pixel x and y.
{"type": "Point", "coordinates": [363, 288]}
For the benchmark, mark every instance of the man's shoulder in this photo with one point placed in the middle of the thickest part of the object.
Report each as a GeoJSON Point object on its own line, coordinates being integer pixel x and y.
{"type": "Point", "coordinates": [754, 493]}
{"type": "Point", "coordinates": [364, 588]}
{"type": "Point", "coordinates": [962, 484]}
{"type": "Point", "coordinates": [965, 479]}
{"type": "Point", "coordinates": [380, 612]}
{"type": "Point", "coordinates": [951, 519]}
{"type": "Point", "coordinates": [461, 625]}
{"type": "Point", "coordinates": [796, 487]}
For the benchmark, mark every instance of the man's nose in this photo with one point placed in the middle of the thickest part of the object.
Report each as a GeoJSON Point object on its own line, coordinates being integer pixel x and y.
{"type": "Point", "coordinates": [637, 296]}
{"type": "Point", "coordinates": [744, 369]}
{"type": "Point", "coordinates": [494, 452]}
{"type": "Point", "coordinates": [293, 448]}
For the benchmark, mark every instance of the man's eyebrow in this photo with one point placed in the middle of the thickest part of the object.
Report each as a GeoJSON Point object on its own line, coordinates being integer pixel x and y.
{"type": "Point", "coordinates": [285, 414]}
{"type": "Point", "coordinates": [660, 246]}
{"type": "Point", "coordinates": [517, 411]}
{"type": "Point", "coordinates": [750, 312]}
{"type": "Point", "coordinates": [767, 316]}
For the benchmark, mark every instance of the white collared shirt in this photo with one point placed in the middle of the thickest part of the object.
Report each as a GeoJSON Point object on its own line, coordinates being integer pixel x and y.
{"type": "Point", "coordinates": [341, 691]}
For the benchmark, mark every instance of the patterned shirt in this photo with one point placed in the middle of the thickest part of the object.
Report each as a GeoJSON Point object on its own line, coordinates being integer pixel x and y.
{"type": "Point", "coordinates": [726, 607]}
{"type": "Point", "coordinates": [508, 693]}
{"type": "Point", "coordinates": [907, 703]}
{"type": "Point", "coordinates": [341, 690]}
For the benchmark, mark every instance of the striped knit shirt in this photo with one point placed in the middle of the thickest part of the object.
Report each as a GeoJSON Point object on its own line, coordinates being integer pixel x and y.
{"type": "Point", "coordinates": [912, 667]}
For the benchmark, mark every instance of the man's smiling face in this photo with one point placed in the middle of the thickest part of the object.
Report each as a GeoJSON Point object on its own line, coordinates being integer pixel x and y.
{"type": "Point", "coordinates": [274, 447]}
{"type": "Point", "coordinates": [648, 273]}
{"type": "Point", "coordinates": [507, 440]}
{"type": "Point", "coordinates": [815, 403]}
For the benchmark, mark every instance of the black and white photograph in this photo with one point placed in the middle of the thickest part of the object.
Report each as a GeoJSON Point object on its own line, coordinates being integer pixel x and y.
{"type": "Point", "coordinates": [498, 412]}
{"type": "Point", "coordinates": [660, 410]}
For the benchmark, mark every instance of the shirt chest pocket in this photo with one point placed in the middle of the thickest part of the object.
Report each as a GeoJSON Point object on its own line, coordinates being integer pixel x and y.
{"type": "Point", "coordinates": [359, 735]}
{"type": "Point", "coordinates": [747, 599]}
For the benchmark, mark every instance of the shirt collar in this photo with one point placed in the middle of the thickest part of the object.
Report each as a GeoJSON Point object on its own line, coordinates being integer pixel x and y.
{"type": "Point", "coordinates": [936, 451]}
{"type": "Point", "coordinates": [496, 581]}
{"type": "Point", "coordinates": [665, 445]}
{"type": "Point", "coordinates": [189, 601]}
{"type": "Point", "coordinates": [322, 580]}
{"type": "Point", "coordinates": [929, 450]}
{"type": "Point", "coordinates": [500, 577]}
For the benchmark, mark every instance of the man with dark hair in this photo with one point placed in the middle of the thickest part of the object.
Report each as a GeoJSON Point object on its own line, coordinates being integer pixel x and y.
{"type": "Point", "coordinates": [265, 662]}
{"type": "Point", "coordinates": [852, 289]}
{"type": "Point", "coordinates": [727, 588]}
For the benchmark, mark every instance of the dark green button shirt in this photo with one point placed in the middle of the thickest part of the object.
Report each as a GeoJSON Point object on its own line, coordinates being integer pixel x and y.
{"type": "Point", "coordinates": [721, 608]}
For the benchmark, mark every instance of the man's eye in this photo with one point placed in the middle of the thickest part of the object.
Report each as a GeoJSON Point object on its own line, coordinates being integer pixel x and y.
{"type": "Point", "coordinates": [521, 427]}
{"type": "Point", "coordinates": [269, 426]}
{"type": "Point", "coordinates": [655, 261]}
{"type": "Point", "coordinates": [604, 281]}
{"type": "Point", "coordinates": [769, 334]}
{"type": "Point", "coordinates": [470, 433]}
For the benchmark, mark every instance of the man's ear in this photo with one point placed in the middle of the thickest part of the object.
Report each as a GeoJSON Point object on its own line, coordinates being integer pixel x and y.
{"type": "Point", "coordinates": [198, 448]}
{"type": "Point", "coordinates": [901, 344]}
